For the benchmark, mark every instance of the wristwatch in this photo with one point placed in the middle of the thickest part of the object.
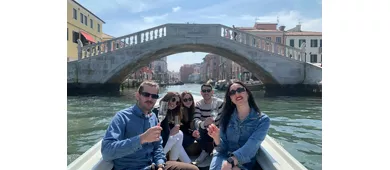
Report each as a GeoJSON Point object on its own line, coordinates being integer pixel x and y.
{"type": "Point", "coordinates": [230, 160]}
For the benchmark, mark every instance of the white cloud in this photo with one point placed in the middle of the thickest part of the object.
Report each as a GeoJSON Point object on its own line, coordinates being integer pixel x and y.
{"type": "Point", "coordinates": [153, 19]}
{"type": "Point", "coordinates": [133, 6]}
{"type": "Point", "coordinates": [214, 16]}
{"type": "Point", "coordinates": [175, 9]}
{"type": "Point", "coordinates": [288, 18]}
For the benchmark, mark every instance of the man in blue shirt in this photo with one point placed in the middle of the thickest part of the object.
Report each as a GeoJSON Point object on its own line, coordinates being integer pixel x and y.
{"type": "Point", "coordinates": [133, 139]}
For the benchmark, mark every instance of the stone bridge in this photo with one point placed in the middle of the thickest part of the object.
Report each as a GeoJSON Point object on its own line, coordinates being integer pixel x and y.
{"type": "Point", "coordinates": [105, 65]}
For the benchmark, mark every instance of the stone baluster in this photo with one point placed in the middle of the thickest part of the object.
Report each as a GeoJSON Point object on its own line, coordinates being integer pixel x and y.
{"type": "Point", "coordinates": [275, 48]}
{"type": "Point", "coordinates": [109, 46]}
{"type": "Point", "coordinates": [164, 31]}
{"type": "Point", "coordinates": [88, 52]}
{"type": "Point", "coordinates": [292, 53]}
{"type": "Point", "coordinates": [92, 51]}
{"type": "Point", "coordinates": [152, 35]}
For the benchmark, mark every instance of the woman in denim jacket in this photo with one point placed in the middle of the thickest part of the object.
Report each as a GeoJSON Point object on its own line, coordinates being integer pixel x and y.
{"type": "Point", "coordinates": [242, 130]}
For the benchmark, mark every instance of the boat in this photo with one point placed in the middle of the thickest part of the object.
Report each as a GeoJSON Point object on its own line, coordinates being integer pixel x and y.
{"type": "Point", "coordinates": [270, 156]}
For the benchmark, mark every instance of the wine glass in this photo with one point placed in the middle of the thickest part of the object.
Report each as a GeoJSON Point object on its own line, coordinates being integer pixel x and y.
{"type": "Point", "coordinates": [214, 110]}
{"type": "Point", "coordinates": [162, 113]}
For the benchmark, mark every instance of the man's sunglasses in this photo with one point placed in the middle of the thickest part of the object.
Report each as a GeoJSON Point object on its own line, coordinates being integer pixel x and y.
{"type": "Point", "coordinates": [238, 90]}
{"type": "Point", "coordinates": [187, 100]}
{"type": "Point", "coordinates": [208, 91]}
{"type": "Point", "coordinates": [146, 94]}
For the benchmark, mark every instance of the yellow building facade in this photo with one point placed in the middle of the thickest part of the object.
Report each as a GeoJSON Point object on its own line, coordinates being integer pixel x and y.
{"type": "Point", "coordinates": [82, 24]}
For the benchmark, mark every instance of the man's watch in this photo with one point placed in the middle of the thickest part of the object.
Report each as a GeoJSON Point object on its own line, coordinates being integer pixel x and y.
{"type": "Point", "coordinates": [230, 160]}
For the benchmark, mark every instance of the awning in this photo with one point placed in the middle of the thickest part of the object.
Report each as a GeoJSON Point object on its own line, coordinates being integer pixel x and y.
{"type": "Point", "coordinates": [87, 36]}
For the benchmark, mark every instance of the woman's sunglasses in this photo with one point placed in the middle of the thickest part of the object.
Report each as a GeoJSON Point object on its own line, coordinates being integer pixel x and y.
{"type": "Point", "coordinates": [187, 100]}
{"type": "Point", "coordinates": [146, 94]}
{"type": "Point", "coordinates": [238, 90]}
{"type": "Point", "coordinates": [174, 100]}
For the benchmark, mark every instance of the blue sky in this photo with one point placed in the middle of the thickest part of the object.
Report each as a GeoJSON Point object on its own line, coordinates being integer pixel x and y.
{"type": "Point", "coordinates": [124, 17]}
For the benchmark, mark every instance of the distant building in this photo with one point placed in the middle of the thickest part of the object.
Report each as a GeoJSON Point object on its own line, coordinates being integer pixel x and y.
{"type": "Point", "coordinates": [174, 76]}
{"type": "Point", "coordinates": [194, 78]}
{"type": "Point", "coordinates": [295, 37]}
{"type": "Point", "coordinates": [160, 69]}
{"type": "Point", "coordinates": [81, 24]}
{"type": "Point", "coordinates": [212, 66]}
{"type": "Point", "coordinates": [266, 30]}
{"type": "Point", "coordinates": [144, 73]}
{"type": "Point", "coordinates": [106, 37]}
{"type": "Point", "coordinates": [185, 71]}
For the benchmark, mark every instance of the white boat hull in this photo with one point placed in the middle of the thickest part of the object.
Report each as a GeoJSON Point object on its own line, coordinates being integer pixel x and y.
{"type": "Point", "coordinates": [271, 156]}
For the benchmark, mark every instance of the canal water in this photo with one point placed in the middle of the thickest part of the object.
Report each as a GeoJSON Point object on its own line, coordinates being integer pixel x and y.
{"type": "Point", "coordinates": [296, 122]}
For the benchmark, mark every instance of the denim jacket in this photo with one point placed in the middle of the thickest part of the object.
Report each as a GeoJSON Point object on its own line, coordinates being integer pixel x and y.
{"type": "Point", "coordinates": [243, 139]}
{"type": "Point", "coordinates": [121, 143]}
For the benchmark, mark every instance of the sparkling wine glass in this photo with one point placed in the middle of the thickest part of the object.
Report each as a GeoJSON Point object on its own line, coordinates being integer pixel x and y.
{"type": "Point", "coordinates": [162, 111]}
{"type": "Point", "coordinates": [214, 110]}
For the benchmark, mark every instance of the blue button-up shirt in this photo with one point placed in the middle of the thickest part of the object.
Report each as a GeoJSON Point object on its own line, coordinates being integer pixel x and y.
{"type": "Point", "coordinates": [243, 138]}
{"type": "Point", "coordinates": [121, 143]}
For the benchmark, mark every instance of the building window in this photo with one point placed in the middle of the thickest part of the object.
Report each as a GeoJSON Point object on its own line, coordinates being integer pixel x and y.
{"type": "Point", "coordinates": [82, 18]}
{"type": "Point", "coordinates": [292, 43]}
{"type": "Point", "coordinates": [301, 41]}
{"type": "Point", "coordinates": [279, 39]}
{"type": "Point", "coordinates": [313, 58]}
{"type": "Point", "coordinates": [91, 22]}
{"type": "Point", "coordinates": [320, 42]}
{"type": "Point", "coordinates": [98, 27]}
{"type": "Point", "coordinates": [313, 43]}
{"type": "Point", "coordinates": [76, 36]}
{"type": "Point", "coordinates": [74, 14]}
{"type": "Point", "coordinates": [85, 20]}
{"type": "Point", "coordinates": [268, 38]}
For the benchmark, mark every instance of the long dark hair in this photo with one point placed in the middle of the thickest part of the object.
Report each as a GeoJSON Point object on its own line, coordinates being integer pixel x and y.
{"type": "Point", "coordinates": [176, 110]}
{"type": "Point", "coordinates": [188, 113]}
{"type": "Point", "coordinates": [229, 106]}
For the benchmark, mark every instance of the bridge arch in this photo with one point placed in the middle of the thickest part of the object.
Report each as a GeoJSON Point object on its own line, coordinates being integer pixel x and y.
{"type": "Point", "coordinates": [121, 73]}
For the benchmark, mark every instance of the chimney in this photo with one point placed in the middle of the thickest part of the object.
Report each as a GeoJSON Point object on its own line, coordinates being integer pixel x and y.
{"type": "Point", "coordinates": [298, 28]}
{"type": "Point", "coordinates": [281, 28]}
